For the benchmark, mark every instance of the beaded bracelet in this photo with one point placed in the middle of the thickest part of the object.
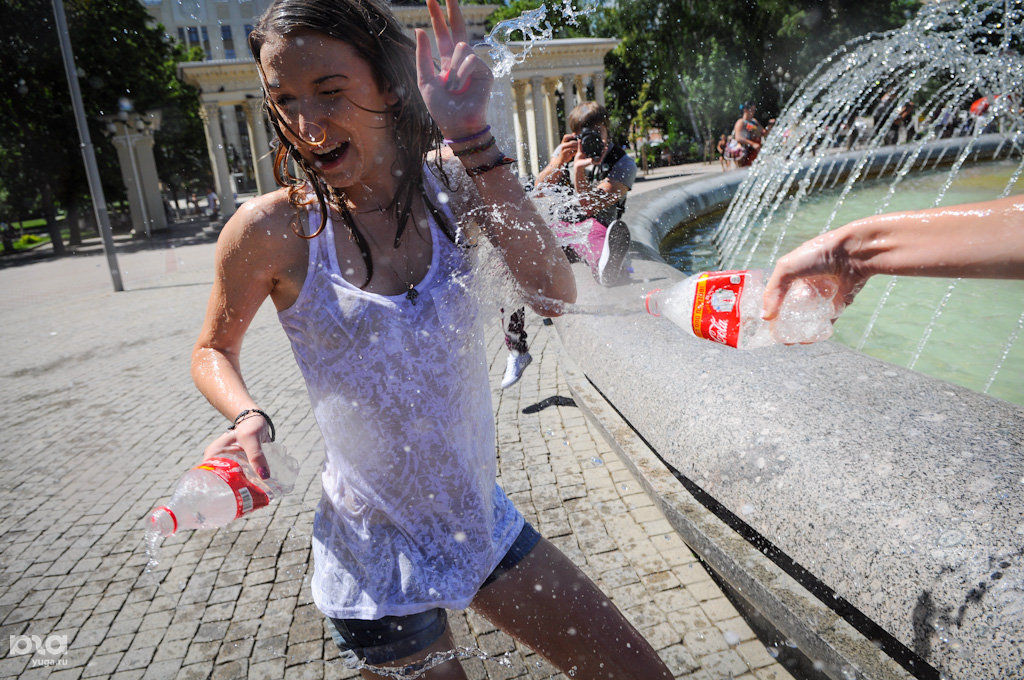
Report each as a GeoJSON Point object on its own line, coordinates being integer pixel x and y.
{"type": "Point", "coordinates": [481, 169]}
{"type": "Point", "coordinates": [463, 140]}
{"type": "Point", "coordinates": [477, 149]}
{"type": "Point", "coordinates": [244, 415]}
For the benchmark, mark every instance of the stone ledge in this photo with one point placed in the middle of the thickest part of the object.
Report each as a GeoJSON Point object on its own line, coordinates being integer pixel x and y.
{"type": "Point", "coordinates": [817, 630]}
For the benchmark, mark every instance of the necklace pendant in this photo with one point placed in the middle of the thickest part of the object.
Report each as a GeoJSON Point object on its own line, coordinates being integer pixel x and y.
{"type": "Point", "coordinates": [412, 294]}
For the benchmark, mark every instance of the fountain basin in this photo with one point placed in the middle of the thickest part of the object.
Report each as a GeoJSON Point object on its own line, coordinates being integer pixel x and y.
{"type": "Point", "coordinates": [895, 498]}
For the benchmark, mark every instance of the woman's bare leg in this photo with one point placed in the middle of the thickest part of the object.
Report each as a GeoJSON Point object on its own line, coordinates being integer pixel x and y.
{"type": "Point", "coordinates": [449, 670]}
{"type": "Point", "coordinates": [546, 602]}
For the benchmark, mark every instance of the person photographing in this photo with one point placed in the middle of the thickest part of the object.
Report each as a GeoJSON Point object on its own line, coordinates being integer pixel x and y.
{"type": "Point", "coordinates": [598, 175]}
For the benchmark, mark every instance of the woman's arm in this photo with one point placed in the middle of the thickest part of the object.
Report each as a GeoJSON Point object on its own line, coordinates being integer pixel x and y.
{"type": "Point", "coordinates": [243, 278]}
{"type": "Point", "coordinates": [977, 240]}
{"type": "Point", "coordinates": [512, 224]}
{"type": "Point", "coordinates": [457, 99]}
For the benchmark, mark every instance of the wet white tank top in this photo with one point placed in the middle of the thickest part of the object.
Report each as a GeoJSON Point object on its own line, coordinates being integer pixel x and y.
{"type": "Point", "coordinates": [411, 516]}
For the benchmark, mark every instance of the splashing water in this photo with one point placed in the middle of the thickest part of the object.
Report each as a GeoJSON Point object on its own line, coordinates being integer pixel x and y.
{"type": "Point", "coordinates": [535, 26]}
{"type": "Point", "coordinates": [434, 659]}
{"type": "Point", "coordinates": [152, 540]}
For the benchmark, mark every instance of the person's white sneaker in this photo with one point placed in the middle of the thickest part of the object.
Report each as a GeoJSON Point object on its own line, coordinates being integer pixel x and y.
{"type": "Point", "coordinates": [514, 367]}
{"type": "Point", "coordinates": [613, 254]}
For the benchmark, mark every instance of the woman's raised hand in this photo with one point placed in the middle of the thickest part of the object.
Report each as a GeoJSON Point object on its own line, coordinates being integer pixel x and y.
{"type": "Point", "coordinates": [457, 95]}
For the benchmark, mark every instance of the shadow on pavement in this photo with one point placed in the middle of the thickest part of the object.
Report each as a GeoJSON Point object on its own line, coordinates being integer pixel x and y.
{"type": "Point", "coordinates": [556, 400]}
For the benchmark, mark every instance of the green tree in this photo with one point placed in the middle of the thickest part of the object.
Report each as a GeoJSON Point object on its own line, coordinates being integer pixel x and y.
{"type": "Point", "coordinates": [118, 55]}
{"type": "Point", "coordinates": [715, 55]}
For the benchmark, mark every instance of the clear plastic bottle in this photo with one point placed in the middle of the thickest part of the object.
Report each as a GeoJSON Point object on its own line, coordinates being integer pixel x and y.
{"type": "Point", "coordinates": [725, 307]}
{"type": "Point", "coordinates": [224, 488]}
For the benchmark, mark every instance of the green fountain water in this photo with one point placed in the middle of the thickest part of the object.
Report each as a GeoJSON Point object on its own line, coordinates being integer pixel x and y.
{"type": "Point", "coordinates": [973, 329]}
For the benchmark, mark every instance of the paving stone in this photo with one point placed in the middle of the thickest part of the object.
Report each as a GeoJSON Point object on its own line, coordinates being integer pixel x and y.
{"type": "Point", "coordinates": [705, 641]}
{"type": "Point", "coordinates": [270, 647]}
{"type": "Point", "coordinates": [723, 664]}
{"type": "Point", "coordinates": [753, 654]}
{"type": "Point", "coordinates": [213, 630]}
{"type": "Point", "coordinates": [235, 649]}
{"type": "Point", "coordinates": [266, 670]}
{"type": "Point", "coordinates": [679, 660]}
{"type": "Point", "coordinates": [718, 609]}
{"type": "Point", "coordinates": [197, 671]}
{"type": "Point", "coordinates": [314, 670]}
{"type": "Point", "coordinates": [162, 670]}
{"type": "Point", "coordinates": [101, 665]}
{"type": "Point", "coordinates": [201, 651]}
{"type": "Point", "coordinates": [171, 650]}
{"type": "Point", "coordinates": [138, 656]}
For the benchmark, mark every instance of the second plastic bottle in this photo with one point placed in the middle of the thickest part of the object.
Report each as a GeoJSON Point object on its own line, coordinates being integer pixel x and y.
{"type": "Point", "coordinates": [725, 307]}
{"type": "Point", "coordinates": [221, 489]}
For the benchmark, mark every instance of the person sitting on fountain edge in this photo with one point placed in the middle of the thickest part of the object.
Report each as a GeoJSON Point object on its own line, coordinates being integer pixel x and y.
{"type": "Point", "coordinates": [600, 174]}
{"type": "Point", "coordinates": [747, 134]}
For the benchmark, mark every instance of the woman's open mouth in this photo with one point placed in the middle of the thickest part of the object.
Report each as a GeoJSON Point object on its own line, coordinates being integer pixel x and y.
{"type": "Point", "coordinates": [326, 160]}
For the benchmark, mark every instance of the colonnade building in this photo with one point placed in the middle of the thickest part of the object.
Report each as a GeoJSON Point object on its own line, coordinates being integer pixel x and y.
{"type": "Point", "coordinates": [527, 109]}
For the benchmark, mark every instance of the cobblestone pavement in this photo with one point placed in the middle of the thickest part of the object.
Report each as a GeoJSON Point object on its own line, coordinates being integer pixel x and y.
{"type": "Point", "coordinates": [99, 419]}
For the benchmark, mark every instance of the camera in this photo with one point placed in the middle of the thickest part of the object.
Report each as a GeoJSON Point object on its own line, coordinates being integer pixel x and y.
{"type": "Point", "coordinates": [591, 142]}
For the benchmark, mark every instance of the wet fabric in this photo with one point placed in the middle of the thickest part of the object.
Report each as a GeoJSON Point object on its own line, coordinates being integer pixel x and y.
{"type": "Point", "coordinates": [411, 516]}
{"type": "Point", "coordinates": [391, 638]}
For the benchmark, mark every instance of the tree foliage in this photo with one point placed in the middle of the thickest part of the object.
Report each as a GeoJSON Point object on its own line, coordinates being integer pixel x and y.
{"type": "Point", "coordinates": [716, 55]}
{"type": "Point", "coordinates": [118, 55]}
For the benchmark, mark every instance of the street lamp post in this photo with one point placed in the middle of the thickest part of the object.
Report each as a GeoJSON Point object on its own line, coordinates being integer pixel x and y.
{"type": "Point", "coordinates": [92, 170]}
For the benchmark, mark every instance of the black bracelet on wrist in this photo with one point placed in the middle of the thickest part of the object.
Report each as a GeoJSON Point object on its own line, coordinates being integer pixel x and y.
{"type": "Point", "coordinates": [475, 149]}
{"type": "Point", "coordinates": [487, 167]}
{"type": "Point", "coordinates": [255, 411]}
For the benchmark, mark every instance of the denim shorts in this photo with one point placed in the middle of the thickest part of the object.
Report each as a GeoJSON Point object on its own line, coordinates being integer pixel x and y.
{"type": "Point", "coordinates": [391, 638]}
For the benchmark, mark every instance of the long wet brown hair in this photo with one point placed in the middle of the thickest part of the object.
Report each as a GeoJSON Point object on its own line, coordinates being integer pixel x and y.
{"type": "Point", "coordinates": [369, 27]}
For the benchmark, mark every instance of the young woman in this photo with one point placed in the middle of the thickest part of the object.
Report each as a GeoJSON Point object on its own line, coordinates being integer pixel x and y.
{"type": "Point", "coordinates": [369, 271]}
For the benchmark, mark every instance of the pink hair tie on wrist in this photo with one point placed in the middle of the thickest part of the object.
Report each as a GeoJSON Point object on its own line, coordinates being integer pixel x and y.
{"type": "Point", "coordinates": [463, 140]}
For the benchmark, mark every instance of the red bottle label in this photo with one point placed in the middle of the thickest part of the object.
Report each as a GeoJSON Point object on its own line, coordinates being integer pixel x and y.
{"type": "Point", "coordinates": [248, 496]}
{"type": "Point", "coordinates": [716, 306]}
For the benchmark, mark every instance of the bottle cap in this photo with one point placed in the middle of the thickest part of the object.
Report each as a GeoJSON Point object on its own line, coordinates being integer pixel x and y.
{"type": "Point", "coordinates": [158, 522]}
{"type": "Point", "coordinates": [647, 303]}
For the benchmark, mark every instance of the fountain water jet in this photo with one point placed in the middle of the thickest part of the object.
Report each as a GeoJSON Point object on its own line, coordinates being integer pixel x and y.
{"type": "Point", "coordinates": [950, 55]}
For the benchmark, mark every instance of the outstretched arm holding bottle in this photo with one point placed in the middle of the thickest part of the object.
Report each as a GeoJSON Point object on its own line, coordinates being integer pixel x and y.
{"type": "Point", "coordinates": [975, 240]}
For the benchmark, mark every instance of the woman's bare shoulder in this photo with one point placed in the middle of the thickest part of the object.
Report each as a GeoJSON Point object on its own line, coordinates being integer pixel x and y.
{"type": "Point", "coordinates": [260, 236]}
{"type": "Point", "coordinates": [266, 215]}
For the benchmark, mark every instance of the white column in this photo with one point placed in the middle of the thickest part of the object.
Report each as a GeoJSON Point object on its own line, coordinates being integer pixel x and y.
{"type": "Point", "coordinates": [581, 89]}
{"type": "Point", "coordinates": [551, 115]}
{"type": "Point", "coordinates": [150, 181]}
{"type": "Point", "coordinates": [522, 130]}
{"type": "Point", "coordinates": [568, 99]}
{"type": "Point", "coordinates": [210, 113]}
{"type": "Point", "coordinates": [230, 127]}
{"type": "Point", "coordinates": [128, 175]}
{"type": "Point", "coordinates": [540, 143]}
{"type": "Point", "coordinates": [259, 147]}
{"type": "Point", "coordinates": [599, 88]}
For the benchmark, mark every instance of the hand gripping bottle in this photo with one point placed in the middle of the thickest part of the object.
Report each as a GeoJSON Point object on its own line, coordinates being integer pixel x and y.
{"type": "Point", "coordinates": [725, 307]}
{"type": "Point", "coordinates": [224, 488]}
